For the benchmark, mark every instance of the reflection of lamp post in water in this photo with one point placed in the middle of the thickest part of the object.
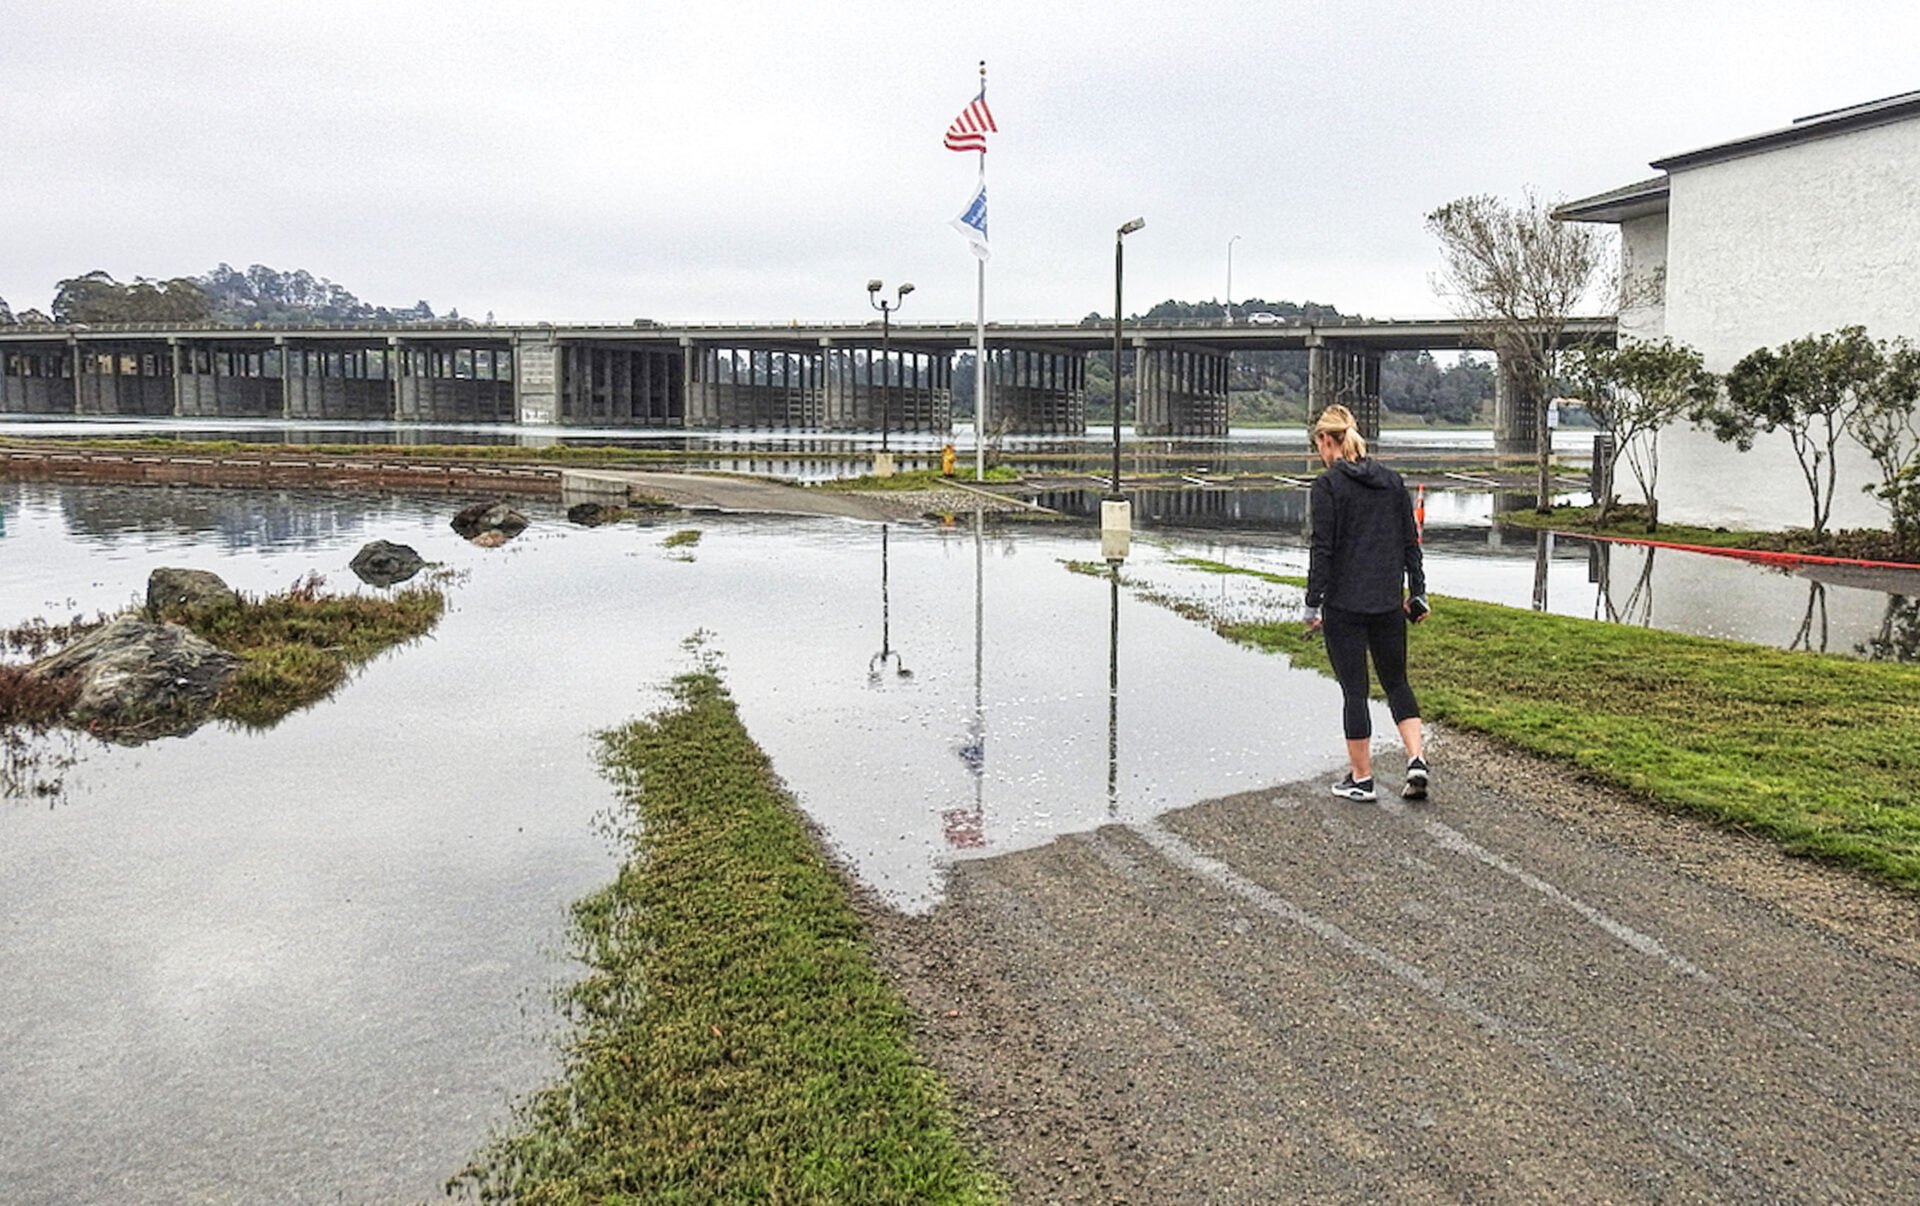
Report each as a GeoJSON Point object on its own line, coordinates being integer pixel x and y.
{"type": "Point", "coordinates": [883, 467]}
{"type": "Point", "coordinates": [876, 667]}
{"type": "Point", "coordinates": [1113, 688]}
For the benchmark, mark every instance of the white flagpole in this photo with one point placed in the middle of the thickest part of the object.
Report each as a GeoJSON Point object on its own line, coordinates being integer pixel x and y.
{"type": "Point", "coordinates": [980, 375]}
{"type": "Point", "coordinates": [980, 334]}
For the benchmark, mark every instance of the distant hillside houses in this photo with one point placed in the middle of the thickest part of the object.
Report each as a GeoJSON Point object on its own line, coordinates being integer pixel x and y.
{"type": "Point", "coordinates": [1751, 243]}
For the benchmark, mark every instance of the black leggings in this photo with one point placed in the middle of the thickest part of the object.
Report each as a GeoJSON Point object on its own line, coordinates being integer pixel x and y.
{"type": "Point", "coordinates": [1351, 635]}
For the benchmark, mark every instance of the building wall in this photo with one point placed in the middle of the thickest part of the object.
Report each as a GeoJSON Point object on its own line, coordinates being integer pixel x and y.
{"type": "Point", "coordinates": [1643, 277]}
{"type": "Point", "coordinates": [1767, 248]}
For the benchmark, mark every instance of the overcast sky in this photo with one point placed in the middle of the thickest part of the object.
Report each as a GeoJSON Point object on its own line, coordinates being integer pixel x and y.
{"type": "Point", "coordinates": [574, 160]}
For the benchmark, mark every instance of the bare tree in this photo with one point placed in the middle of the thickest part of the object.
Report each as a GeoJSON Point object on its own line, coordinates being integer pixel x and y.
{"type": "Point", "coordinates": [1517, 274]}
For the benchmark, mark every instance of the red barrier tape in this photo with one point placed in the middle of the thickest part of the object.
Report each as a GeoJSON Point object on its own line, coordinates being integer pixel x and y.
{"type": "Point", "coordinates": [1760, 556]}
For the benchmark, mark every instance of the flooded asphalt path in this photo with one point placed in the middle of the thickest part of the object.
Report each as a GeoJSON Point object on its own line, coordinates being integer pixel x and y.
{"type": "Point", "coordinates": [1524, 990]}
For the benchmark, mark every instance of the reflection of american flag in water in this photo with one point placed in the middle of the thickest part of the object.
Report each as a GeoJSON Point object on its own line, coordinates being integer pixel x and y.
{"type": "Point", "coordinates": [969, 130]}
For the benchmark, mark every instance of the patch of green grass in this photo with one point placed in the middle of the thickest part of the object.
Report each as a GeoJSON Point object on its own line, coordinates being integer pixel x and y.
{"type": "Point", "coordinates": [685, 538]}
{"type": "Point", "coordinates": [298, 647]}
{"type": "Point", "coordinates": [1818, 753]}
{"type": "Point", "coordinates": [733, 1041]}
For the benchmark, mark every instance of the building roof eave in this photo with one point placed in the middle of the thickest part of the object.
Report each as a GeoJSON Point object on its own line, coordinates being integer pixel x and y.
{"type": "Point", "coordinates": [1636, 200]}
{"type": "Point", "coordinates": [1881, 112]}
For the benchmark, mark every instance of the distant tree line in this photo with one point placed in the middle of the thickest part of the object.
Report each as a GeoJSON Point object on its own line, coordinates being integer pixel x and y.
{"type": "Point", "coordinates": [260, 295]}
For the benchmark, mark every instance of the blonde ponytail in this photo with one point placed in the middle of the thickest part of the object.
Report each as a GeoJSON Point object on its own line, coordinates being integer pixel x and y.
{"type": "Point", "coordinates": [1337, 420]}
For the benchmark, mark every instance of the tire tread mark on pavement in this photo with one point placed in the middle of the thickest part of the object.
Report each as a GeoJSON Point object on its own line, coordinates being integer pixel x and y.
{"type": "Point", "coordinates": [1453, 841]}
{"type": "Point", "coordinates": [1707, 1154]}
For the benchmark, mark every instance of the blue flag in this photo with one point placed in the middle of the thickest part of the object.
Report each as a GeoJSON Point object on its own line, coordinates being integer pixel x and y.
{"type": "Point", "coordinates": [973, 222]}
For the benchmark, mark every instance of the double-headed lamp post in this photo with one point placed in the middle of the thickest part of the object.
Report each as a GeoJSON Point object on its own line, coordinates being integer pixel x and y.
{"type": "Point", "coordinates": [1230, 243]}
{"type": "Point", "coordinates": [1116, 516]}
{"type": "Point", "coordinates": [886, 306]}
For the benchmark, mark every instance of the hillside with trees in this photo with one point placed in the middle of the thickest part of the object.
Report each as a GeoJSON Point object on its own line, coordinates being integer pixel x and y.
{"type": "Point", "coordinates": [225, 295]}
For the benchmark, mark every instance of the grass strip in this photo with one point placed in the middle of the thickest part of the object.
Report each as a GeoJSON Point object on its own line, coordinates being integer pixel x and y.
{"type": "Point", "coordinates": [297, 647]}
{"type": "Point", "coordinates": [1817, 753]}
{"type": "Point", "coordinates": [913, 479]}
{"type": "Point", "coordinates": [732, 1040]}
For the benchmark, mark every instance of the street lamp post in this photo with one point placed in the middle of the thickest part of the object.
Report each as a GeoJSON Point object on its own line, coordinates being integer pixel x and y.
{"type": "Point", "coordinates": [1116, 516]}
{"type": "Point", "coordinates": [1230, 243]}
{"type": "Point", "coordinates": [886, 307]}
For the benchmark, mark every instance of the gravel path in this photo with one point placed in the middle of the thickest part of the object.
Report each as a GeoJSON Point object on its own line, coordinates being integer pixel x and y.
{"type": "Point", "coordinates": [1525, 990]}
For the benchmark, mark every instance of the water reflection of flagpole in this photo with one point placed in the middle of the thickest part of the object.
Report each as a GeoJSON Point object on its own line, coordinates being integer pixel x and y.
{"type": "Point", "coordinates": [966, 828]}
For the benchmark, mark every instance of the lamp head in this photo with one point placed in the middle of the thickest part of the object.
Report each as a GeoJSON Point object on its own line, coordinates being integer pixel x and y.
{"type": "Point", "coordinates": [874, 286]}
{"type": "Point", "coordinates": [1127, 228]}
{"type": "Point", "coordinates": [905, 289]}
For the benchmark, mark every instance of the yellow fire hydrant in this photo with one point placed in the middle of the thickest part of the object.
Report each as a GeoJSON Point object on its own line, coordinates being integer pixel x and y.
{"type": "Point", "coordinates": [946, 461]}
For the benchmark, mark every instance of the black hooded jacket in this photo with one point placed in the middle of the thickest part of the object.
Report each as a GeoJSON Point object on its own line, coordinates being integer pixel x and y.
{"type": "Point", "coordinates": [1364, 540]}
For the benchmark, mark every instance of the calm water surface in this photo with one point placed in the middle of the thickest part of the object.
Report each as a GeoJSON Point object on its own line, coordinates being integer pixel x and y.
{"type": "Point", "coordinates": [313, 964]}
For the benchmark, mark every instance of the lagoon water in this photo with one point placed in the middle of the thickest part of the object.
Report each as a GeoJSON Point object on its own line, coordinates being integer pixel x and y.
{"type": "Point", "coordinates": [313, 964]}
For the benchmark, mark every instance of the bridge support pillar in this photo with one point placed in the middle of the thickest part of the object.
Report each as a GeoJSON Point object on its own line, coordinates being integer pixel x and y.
{"type": "Point", "coordinates": [536, 377]}
{"type": "Point", "coordinates": [338, 379]}
{"type": "Point", "coordinates": [454, 381]}
{"type": "Point", "coordinates": [1181, 392]}
{"type": "Point", "coordinates": [130, 377]}
{"type": "Point", "coordinates": [1037, 391]}
{"type": "Point", "coordinates": [1516, 415]}
{"type": "Point", "coordinates": [37, 378]}
{"type": "Point", "coordinates": [1349, 375]}
{"type": "Point", "coordinates": [607, 384]}
{"type": "Point", "coordinates": [906, 389]}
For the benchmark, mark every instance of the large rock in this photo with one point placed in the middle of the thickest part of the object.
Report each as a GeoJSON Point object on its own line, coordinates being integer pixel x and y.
{"type": "Point", "coordinates": [383, 563]}
{"type": "Point", "coordinates": [174, 591]}
{"type": "Point", "coordinates": [139, 679]}
{"type": "Point", "coordinates": [593, 514]}
{"type": "Point", "coordinates": [489, 523]}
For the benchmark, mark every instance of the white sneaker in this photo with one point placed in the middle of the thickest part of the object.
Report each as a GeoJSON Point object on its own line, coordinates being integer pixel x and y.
{"type": "Point", "coordinates": [1355, 789]}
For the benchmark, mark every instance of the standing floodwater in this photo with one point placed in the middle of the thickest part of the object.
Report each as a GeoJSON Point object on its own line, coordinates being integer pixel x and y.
{"type": "Point", "coordinates": [312, 964]}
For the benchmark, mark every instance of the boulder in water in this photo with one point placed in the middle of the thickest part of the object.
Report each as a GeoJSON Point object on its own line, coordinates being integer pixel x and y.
{"type": "Point", "coordinates": [172, 591]}
{"type": "Point", "coordinates": [383, 563]}
{"type": "Point", "coordinates": [139, 679]}
{"type": "Point", "coordinates": [490, 517]}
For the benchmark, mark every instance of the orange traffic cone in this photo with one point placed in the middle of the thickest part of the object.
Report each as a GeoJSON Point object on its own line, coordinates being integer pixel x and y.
{"type": "Point", "coordinates": [1420, 517]}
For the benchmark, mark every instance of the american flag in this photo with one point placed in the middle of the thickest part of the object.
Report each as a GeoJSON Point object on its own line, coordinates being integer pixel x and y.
{"type": "Point", "coordinates": [969, 130]}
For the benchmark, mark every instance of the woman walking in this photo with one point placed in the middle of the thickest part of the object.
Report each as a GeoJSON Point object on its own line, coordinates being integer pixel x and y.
{"type": "Point", "coordinates": [1365, 547]}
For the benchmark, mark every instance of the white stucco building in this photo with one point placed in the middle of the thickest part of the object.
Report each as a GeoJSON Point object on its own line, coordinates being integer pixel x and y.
{"type": "Point", "coordinates": [1752, 243]}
